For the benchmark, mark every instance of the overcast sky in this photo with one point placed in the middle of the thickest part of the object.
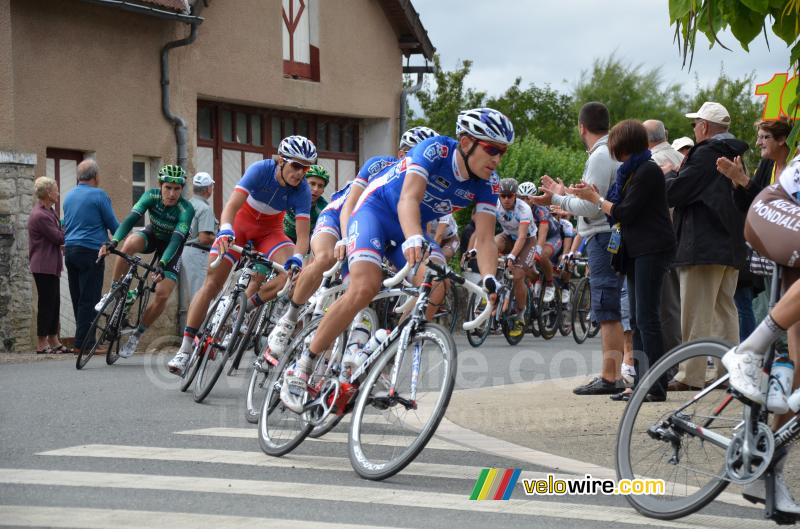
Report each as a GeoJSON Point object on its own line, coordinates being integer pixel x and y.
{"type": "Point", "coordinates": [552, 41]}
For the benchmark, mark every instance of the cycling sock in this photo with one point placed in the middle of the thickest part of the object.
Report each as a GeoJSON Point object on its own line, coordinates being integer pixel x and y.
{"type": "Point", "coordinates": [293, 312]}
{"type": "Point", "coordinates": [761, 338]}
{"type": "Point", "coordinates": [188, 339]}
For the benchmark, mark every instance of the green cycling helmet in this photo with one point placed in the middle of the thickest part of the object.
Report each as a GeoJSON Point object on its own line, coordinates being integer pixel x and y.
{"type": "Point", "coordinates": [172, 174]}
{"type": "Point", "coordinates": [319, 172]}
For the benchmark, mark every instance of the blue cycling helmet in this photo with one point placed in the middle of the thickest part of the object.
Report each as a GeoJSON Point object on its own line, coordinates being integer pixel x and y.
{"type": "Point", "coordinates": [298, 149]}
{"type": "Point", "coordinates": [485, 124]}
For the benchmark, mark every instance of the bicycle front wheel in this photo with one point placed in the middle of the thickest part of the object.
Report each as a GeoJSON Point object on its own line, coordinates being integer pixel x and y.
{"type": "Point", "coordinates": [390, 428]}
{"type": "Point", "coordinates": [669, 440]}
{"type": "Point", "coordinates": [476, 337]}
{"type": "Point", "coordinates": [104, 330]}
{"type": "Point", "coordinates": [225, 337]}
{"type": "Point", "coordinates": [565, 316]}
{"type": "Point", "coordinates": [581, 311]}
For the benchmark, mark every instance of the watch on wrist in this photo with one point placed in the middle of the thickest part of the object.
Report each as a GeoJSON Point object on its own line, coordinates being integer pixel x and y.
{"type": "Point", "coordinates": [600, 204]}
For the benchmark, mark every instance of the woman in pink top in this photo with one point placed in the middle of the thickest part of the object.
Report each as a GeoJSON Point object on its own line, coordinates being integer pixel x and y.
{"type": "Point", "coordinates": [45, 239]}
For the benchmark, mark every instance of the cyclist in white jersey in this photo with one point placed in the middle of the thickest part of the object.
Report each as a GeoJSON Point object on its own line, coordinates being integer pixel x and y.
{"type": "Point", "coordinates": [516, 241]}
{"type": "Point", "coordinates": [444, 231]}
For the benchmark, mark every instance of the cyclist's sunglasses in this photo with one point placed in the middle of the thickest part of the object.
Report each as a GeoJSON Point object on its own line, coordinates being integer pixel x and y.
{"type": "Point", "coordinates": [491, 149]}
{"type": "Point", "coordinates": [297, 166]}
{"type": "Point", "coordinates": [507, 195]}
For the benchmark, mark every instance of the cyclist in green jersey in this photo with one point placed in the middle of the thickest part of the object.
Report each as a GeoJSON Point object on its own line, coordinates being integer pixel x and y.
{"type": "Point", "coordinates": [170, 219]}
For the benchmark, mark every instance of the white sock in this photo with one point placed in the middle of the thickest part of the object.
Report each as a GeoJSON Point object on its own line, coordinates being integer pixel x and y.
{"type": "Point", "coordinates": [187, 344]}
{"type": "Point", "coordinates": [760, 339]}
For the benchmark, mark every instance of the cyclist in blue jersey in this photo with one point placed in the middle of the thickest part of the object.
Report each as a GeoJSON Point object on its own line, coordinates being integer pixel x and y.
{"type": "Point", "coordinates": [255, 212]}
{"type": "Point", "coordinates": [436, 177]}
{"type": "Point", "coordinates": [327, 237]}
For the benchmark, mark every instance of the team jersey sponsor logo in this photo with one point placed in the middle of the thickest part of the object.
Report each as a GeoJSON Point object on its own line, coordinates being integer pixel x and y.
{"type": "Point", "coordinates": [441, 182]}
{"type": "Point", "coordinates": [376, 243]}
{"type": "Point", "coordinates": [466, 195]}
{"type": "Point", "coordinates": [435, 150]}
{"type": "Point", "coordinates": [442, 207]}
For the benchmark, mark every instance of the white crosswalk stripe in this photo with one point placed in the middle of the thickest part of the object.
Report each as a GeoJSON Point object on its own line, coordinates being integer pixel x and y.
{"type": "Point", "coordinates": [332, 437]}
{"type": "Point", "coordinates": [385, 495]}
{"type": "Point", "coordinates": [27, 516]}
{"type": "Point", "coordinates": [259, 459]}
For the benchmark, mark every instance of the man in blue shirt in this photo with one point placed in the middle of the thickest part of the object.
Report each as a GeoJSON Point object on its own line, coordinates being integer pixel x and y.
{"type": "Point", "coordinates": [88, 219]}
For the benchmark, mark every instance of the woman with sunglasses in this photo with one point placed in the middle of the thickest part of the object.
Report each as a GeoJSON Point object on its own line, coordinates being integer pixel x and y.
{"type": "Point", "coordinates": [437, 176]}
{"type": "Point", "coordinates": [255, 212]}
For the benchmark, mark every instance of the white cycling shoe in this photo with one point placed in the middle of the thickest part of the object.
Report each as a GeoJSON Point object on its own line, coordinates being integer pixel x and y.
{"type": "Point", "coordinates": [549, 293]}
{"type": "Point", "coordinates": [130, 347]}
{"type": "Point", "coordinates": [295, 384]}
{"type": "Point", "coordinates": [745, 373]}
{"type": "Point", "coordinates": [281, 334]}
{"type": "Point", "coordinates": [178, 363]}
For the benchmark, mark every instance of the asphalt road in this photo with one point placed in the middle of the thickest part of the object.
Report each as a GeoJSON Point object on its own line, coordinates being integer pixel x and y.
{"type": "Point", "coordinates": [119, 446]}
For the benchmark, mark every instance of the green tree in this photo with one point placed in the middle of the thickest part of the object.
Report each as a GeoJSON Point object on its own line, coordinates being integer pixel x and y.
{"type": "Point", "coordinates": [540, 112]}
{"type": "Point", "coordinates": [530, 158]}
{"type": "Point", "coordinates": [631, 92]}
{"type": "Point", "coordinates": [442, 103]}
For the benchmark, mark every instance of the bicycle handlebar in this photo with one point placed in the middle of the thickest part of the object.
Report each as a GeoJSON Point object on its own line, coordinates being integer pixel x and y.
{"type": "Point", "coordinates": [236, 248]}
{"type": "Point", "coordinates": [134, 261]}
{"type": "Point", "coordinates": [333, 270]}
{"type": "Point", "coordinates": [398, 277]}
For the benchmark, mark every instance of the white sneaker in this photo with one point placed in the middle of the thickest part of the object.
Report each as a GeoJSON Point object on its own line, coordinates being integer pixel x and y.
{"type": "Point", "coordinates": [784, 502]}
{"type": "Point", "coordinates": [537, 288]}
{"type": "Point", "coordinates": [565, 297]}
{"type": "Point", "coordinates": [178, 363]}
{"type": "Point", "coordinates": [628, 373]}
{"type": "Point", "coordinates": [549, 293]}
{"type": "Point", "coordinates": [280, 335]}
{"type": "Point", "coordinates": [745, 373]}
{"type": "Point", "coordinates": [130, 346]}
{"type": "Point", "coordinates": [295, 383]}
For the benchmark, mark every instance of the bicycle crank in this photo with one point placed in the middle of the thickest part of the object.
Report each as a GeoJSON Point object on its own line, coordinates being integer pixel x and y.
{"type": "Point", "coordinates": [747, 459]}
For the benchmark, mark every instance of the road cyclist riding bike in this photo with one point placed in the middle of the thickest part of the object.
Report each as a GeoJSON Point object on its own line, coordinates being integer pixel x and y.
{"type": "Point", "coordinates": [437, 175]}
{"type": "Point", "coordinates": [170, 219]}
{"type": "Point", "coordinates": [326, 241]}
{"type": "Point", "coordinates": [254, 212]}
{"type": "Point", "coordinates": [516, 241]}
{"type": "Point", "coordinates": [719, 434]}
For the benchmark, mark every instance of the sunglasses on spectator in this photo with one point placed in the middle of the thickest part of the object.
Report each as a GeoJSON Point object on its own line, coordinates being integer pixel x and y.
{"type": "Point", "coordinates": [507, 195]}
{"type": "Point", "coordinates": [491, 149]}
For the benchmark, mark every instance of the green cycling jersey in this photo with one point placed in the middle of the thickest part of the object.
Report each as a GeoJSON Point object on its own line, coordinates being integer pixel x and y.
{"type": "Point", "coordinates": [169, 223]}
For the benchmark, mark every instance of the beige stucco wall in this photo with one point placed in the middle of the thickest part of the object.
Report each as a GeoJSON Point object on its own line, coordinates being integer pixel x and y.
{"type": "Point", "coordinates": [79, 76]}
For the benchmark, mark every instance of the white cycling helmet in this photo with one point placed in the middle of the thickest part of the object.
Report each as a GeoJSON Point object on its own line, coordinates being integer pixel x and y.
{"type": "Point", "coordinates": [298, 149]}
{"type": "Point", "coordinates": [526, 189]}
{"type": "Point", "coordinates": [485, 124]}
{"type": "Point", "coordinates": [415, 135]}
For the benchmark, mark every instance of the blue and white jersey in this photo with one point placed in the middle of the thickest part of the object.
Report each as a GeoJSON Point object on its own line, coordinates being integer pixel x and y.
{"type": "Point", "coordinates": [567, 229]}
{"type": "Point", "coordinates": [450, 231]}
{"type": "Point", "coordinates": [267, 197]}
{"type": "Point", "coordinates": [371, 168]}
{"type": "Point", "coordinates": [447, 191]}
{"type": "Point", "coordinates": [510, 221]}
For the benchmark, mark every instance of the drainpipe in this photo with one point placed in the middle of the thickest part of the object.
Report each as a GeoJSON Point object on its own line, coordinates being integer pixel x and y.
{"type": "Point", "coordinates": [181, 132]}
{"type": "Point", "coordinates": [407, 91]}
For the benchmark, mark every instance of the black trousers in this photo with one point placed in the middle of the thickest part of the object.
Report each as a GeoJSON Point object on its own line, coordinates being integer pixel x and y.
{"type": "Point", "coordinates": [49, 304]}
{"type": "Point", "coordinates": [85, 286]}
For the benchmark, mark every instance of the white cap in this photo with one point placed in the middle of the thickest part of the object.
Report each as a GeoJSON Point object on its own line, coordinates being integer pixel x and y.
{"type": "Point", "coordinates": [202, 179]}
{"type": "Point", "coordinates": [682, 142]}
{"type": "Point", "coordinates": [713, 112]}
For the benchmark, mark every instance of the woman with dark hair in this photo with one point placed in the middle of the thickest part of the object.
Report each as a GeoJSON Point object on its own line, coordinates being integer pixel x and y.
{"type": "Point", "coordinates": [642, 237]}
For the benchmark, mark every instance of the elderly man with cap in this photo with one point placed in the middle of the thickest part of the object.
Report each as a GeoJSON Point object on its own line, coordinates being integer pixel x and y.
{"type": "Point", "coordinates": [199, 241]}
{"type": "Point", "coordinates": [683, 145]}
{"type": "Point", "coordinates": [710, 232]}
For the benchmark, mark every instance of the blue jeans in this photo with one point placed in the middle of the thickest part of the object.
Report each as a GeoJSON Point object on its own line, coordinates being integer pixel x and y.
{"type": "Point", "coordinates": [85, 286]}
{"type": "Point", "coordinates": [645, 276]}
{"type": "Point", "coordinates": [744, 306]}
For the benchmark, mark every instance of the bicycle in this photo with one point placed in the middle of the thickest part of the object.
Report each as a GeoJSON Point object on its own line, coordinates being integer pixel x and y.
{"type": "Point", "coordinates": [259, 370]}
{"type": "Point", "coordinates": [219, 333]}
{"type": "Point", "coordinates": [583, 326]}
{"type": "Point", "coordinates": [111, 321]}
{"type": "Point", "coordinates": [731, 434]}
{"type": "Point", "coordinates": [375, 385]}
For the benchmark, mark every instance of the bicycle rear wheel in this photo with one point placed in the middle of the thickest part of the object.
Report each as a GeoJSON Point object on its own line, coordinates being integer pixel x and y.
{"type": "Point", "coordinates": [389, 430]}
{"type": "Point", "coordinates": [258, 373]}
{"type": "Point", "coordinates": [104, 330]}
{"type": "Point", "coordinates": [661, 440]}
{"type": "Point", "coordinates": [280, 430]}
{"type": "Point", "coordinates": [225, 337]}
{"type": "Point", "coordinates": [581, 311]}
{"type": "Point", "coordinates": [548, 316]}
{"type": "Point", "coordinates": [565, 316]}
{"type": "Point", "coordinates": [476, 337]}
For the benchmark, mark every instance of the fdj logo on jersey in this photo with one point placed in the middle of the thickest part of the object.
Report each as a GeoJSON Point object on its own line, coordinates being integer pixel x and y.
{"type": "Point", "coordinates": [435, 150]}
{"type": "Point", "coordinates": [781, 94]}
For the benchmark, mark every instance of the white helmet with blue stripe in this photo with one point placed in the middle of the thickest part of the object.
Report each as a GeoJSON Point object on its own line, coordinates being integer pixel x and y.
{"type": "Point", "coordinates": [298, 149]}
{"type": "Point", "coordinates": [485, 124]}
{"type": "Point", "coordinates": [415, 135]}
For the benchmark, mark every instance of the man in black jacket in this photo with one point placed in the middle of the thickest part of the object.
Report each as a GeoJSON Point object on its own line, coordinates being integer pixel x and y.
{"type": "Point", "coordinates": [710, 232]}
